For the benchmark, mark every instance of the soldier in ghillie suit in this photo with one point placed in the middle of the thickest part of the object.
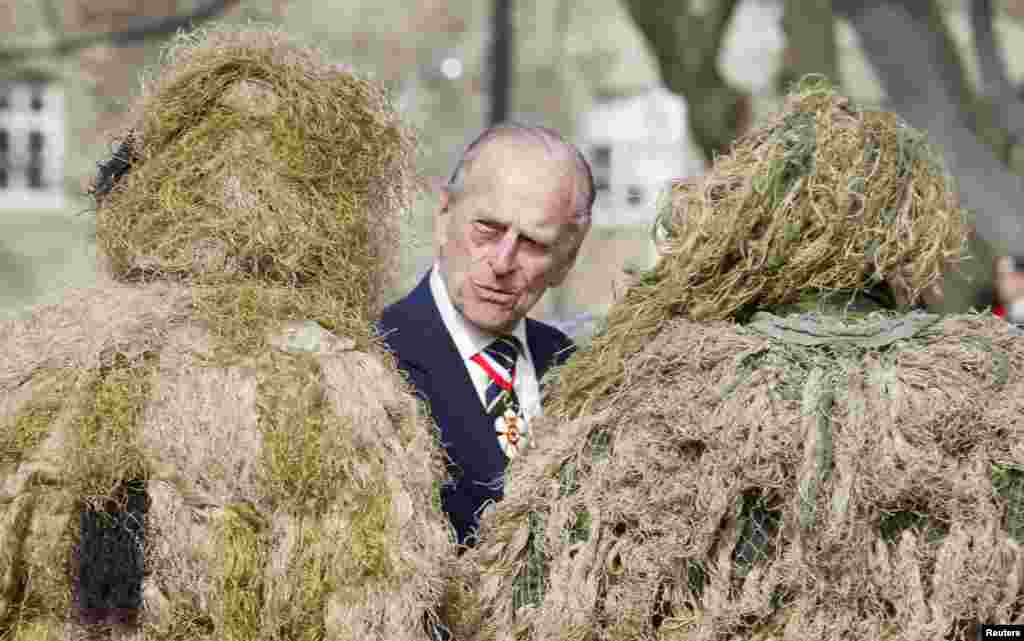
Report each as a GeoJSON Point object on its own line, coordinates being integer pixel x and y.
{"type": "Point", "coordinates": [858, 269]}
{"type": "Point", "coordinates": [770, 438]}
{"type": "Point", "coordinates": [221, 390]}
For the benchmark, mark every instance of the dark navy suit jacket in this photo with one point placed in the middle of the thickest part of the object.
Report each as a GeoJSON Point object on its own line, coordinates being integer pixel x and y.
{"type": "Point", "coordinates": [415, 332]}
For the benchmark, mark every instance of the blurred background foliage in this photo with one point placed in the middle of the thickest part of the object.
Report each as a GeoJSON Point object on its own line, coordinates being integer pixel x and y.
{"type": "Point", "coordinates": [574, 62]}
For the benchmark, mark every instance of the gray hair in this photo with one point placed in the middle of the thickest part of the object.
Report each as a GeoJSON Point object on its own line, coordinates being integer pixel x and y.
{"type": "Point", "coordinates": [552, 141]}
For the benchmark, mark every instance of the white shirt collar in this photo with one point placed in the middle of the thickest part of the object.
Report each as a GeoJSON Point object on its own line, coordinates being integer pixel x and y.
{"type": "Point", "coordinates": [1015, 311]}
{"type": "Point", "coordinates": [469, 339]}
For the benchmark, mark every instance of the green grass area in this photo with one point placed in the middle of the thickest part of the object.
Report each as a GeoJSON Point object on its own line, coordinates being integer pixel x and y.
{"type": "Point", "coordinates": [41, 254]}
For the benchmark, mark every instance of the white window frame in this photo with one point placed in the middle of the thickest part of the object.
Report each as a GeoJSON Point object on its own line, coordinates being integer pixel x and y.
{"type": "Point", "coordinates": [33, 111]}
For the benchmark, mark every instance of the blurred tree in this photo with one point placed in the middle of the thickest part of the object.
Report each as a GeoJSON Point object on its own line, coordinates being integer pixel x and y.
{"type": "Point", "coordinates": [919, 66]}
{"type": "Point", "coordinates": [810, 31]}
{"type": "Point", "coordinates": [686, 38]}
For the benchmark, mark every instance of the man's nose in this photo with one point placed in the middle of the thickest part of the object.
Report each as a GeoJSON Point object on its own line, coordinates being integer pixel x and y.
{"type": "Point", "coordinates": [503, 260]}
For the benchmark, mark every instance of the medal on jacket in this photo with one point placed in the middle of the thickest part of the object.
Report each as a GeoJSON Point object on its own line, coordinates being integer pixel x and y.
{"type": "Point", "coordinates": [512, 433]}
{"type": "Point", "coordinates": [500, 399]}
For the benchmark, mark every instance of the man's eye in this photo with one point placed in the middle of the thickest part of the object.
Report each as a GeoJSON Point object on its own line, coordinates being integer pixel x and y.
{"type": "Point", "coordinates": [486, 226]}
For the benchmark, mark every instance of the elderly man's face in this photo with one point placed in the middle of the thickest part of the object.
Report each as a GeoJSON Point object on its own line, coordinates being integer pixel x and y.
{"type": "Point", "coordinates": [509, 235]}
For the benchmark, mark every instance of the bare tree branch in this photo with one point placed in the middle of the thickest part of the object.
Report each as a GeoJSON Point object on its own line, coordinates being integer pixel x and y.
{"type": "Point", "coordinates": [993, 74]}
{"type": "Point", "coordinates": [718, 19]}
{"type": "Point", "coordinates": [810, 31]}
{"type": "Point", "coordinates": [1007, 108]}
{"type": "Point", "coordinates": [908, 52]}
{"type": "Point", "coordinates": [52, 16]}
{"type": "Point", "coordinates": [686, 46]}
{"type": "Point", "coordinates": [137, 31]}
{"type": "Point", "coordinates": [684, 41]}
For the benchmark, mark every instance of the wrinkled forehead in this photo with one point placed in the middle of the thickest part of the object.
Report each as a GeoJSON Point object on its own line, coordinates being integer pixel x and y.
{"type": "Point", "coordinates": [524, 183]}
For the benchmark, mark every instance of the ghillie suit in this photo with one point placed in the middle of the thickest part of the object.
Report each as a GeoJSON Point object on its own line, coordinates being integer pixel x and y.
{"type": "Point", "coordinates": [223, 383]}
{"type": "Point", "coordinates": [817, 475]}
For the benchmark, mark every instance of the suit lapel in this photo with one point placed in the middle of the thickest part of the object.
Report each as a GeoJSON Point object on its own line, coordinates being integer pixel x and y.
{"type": "Point", "coordinates": [537, 353]}
{"type": "Point", "coordinates": [434, 351]}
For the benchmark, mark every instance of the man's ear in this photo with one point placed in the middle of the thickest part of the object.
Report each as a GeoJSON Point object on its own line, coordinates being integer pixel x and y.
{"type": "Point", "coordinates": [560, 273]}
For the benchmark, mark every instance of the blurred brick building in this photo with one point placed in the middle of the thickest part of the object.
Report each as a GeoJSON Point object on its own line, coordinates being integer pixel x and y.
{"type": "Point", "coordinates": [565, 78]}
{"type": "Point", "coordinates": [48, 99]}
{"type": "Point", "coordinates": [59, 113]}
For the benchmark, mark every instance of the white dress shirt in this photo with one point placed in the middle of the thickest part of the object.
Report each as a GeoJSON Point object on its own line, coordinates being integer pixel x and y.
{"type": "Point", "coordinates": [471, 340]}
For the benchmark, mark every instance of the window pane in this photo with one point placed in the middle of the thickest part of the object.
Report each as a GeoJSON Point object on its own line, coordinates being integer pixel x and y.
{"type": "Point", "coordinates": [37, 97]}
{"type": "Point", "coordinates": [602, 167]}
{"type": "Point", "coordinates": [635, 195]}
{"type": "Point", "coordinates": [5, 152]}
{"type": "Point", "coordinates": [35, 160]}
{"type": "Point", "coordinates": [35, 177]}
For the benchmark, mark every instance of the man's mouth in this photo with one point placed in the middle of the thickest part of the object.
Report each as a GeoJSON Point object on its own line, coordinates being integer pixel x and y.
{"type": "Point", "coordinates": [492, 295]}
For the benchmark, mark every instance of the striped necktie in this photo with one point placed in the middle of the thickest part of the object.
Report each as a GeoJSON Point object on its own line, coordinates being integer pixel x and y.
{"type": "Point", "coordinates": [498, 360]}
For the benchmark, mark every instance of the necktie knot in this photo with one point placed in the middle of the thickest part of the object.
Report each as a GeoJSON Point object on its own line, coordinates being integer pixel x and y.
{"type": "Point", "coordinates": [505, 350]}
